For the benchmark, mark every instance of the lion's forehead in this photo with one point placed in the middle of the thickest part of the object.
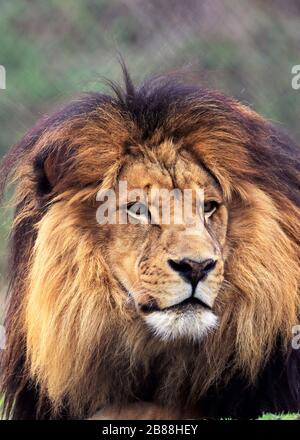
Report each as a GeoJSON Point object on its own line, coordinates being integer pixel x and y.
{"type": "Point", "coordinates": [145, 173]}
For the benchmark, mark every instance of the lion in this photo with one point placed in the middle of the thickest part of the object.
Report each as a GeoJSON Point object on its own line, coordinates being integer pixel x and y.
{"type": "Point", "coordinates": [139, 318]}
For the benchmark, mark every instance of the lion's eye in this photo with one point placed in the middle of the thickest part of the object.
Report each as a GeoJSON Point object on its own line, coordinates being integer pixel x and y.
{"type": "Point", "coordinates": [210, 207]}
{"type": "Point", "coordinates": [139, 212]}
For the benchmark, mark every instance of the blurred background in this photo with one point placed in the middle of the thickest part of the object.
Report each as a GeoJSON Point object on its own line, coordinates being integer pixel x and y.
{"type": "Point", "coordinates": [52, 50]}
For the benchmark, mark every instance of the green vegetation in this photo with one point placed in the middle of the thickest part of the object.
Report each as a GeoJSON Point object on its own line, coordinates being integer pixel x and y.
{"type": "Point", "coordinates": [269, 416]}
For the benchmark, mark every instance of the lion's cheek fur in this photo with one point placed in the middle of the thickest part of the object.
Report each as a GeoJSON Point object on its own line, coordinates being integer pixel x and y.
{"type": "Point", "coordinates": [265, 283]}
{"type": "Point", "coordinates": [67, 305]}
{"type": "Point", "coordinates": [76, 320]}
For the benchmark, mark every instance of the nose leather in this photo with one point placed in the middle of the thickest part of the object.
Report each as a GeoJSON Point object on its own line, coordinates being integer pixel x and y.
{"type": "Point", "coordinates": [193, 271]}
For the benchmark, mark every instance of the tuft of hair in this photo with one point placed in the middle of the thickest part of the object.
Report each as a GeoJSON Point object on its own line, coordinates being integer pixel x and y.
{"type": "Point", "coordinates": [72, 345]}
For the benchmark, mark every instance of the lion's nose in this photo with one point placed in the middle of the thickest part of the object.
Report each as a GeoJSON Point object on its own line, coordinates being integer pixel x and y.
{"type": "Point", "coordinates": [191, 270]}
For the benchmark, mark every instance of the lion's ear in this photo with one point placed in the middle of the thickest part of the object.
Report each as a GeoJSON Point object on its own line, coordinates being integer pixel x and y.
{"type": "Point", "coordinates": [47, 171]}
{"type": "Point", "coordinates": [51, 170]}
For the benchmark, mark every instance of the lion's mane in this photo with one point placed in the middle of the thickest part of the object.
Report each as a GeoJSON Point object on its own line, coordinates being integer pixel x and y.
{"type": "Point", "coordinates": [72, 346]}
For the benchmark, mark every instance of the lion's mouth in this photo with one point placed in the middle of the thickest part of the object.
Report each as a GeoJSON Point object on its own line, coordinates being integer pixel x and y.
{"type": "Point", "coordinates": [188, 304]}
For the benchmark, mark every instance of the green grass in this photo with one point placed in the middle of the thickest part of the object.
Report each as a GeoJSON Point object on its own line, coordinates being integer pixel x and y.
{"type": "Point", "coordinates": [269, 416]}
{"type": "Point", "coordinates": [1, 403]}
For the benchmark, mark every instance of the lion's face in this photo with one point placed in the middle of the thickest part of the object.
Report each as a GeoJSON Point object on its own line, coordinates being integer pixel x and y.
{"type": "Point", "coordinates": [171, 272]}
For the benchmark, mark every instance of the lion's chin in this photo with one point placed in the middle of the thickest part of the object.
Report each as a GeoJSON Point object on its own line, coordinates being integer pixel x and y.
{"type": "Point", "coordinates": [190, 324]}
